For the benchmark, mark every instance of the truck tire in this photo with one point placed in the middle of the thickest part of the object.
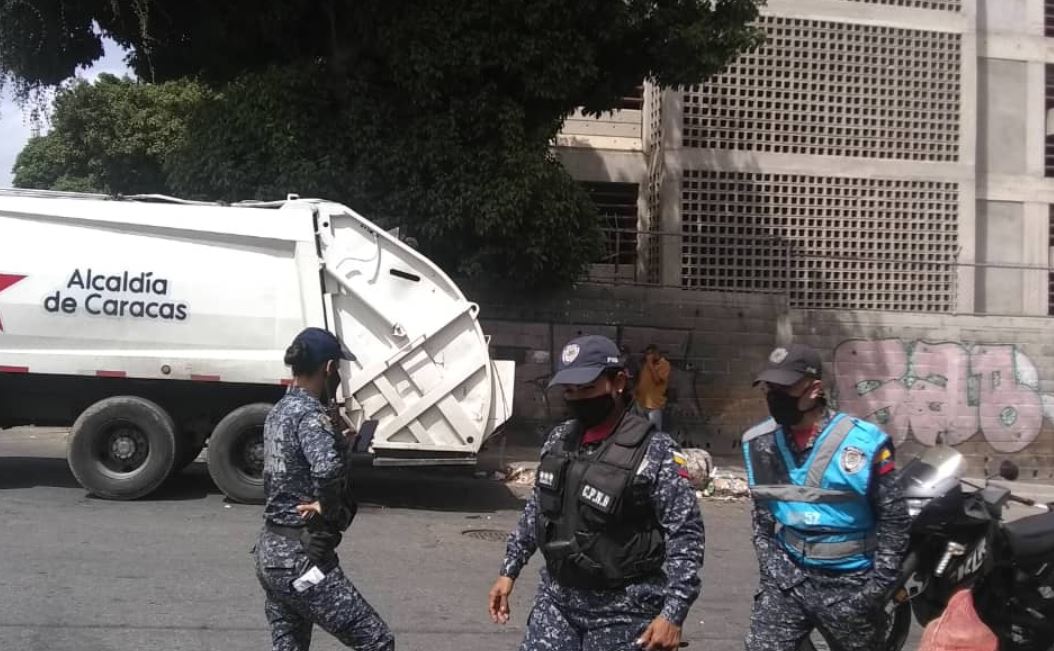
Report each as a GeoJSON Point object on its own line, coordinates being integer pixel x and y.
{"type": "Point", "coordinates": [122, 448]}
{"type": "Point", "coordinates": [236, 453]}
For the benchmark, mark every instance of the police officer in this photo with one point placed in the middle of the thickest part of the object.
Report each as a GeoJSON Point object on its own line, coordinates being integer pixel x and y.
{"type": "Point", "coordinates": [614, 516]}
{"type": "Point", "coordinates": [309, 506]}
{"type": "Point", "coordinates": [830, 526]}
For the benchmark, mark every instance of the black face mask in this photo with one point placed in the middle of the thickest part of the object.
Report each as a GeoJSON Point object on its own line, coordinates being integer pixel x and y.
{"type": "Point", "coordinates": [591, 411]}
{"type": "Point", "coordinates": [784, 408]}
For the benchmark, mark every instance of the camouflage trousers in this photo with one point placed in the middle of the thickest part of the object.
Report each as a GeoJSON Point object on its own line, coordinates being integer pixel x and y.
{"type": "Point", "coordinates": [569, 619]}
{"type": "Point", "coordinates": [847, 617]}
{"type": "Point", "coordinates": [334, 604]}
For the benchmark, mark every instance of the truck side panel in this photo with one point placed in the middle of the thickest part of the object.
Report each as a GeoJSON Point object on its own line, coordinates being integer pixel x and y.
{"type": "Point", "coordinates": [146, 298]}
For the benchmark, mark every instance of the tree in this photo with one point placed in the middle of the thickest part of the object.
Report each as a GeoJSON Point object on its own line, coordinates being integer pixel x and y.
{"type": "Point", "coordinates": [112, 136]}
{"type": "Point", "coordinates": [439, 113]}
{"type": "Point", "coordinates": [475, 210]}
{"type": "Point", "coordinates": [549, 55]}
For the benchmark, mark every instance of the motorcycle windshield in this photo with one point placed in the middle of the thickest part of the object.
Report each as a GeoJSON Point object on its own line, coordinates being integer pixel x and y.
{"type": "Point", "coordinates": [930, 474]}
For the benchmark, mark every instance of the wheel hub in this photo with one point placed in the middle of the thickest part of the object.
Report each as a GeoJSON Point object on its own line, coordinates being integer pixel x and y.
{"type": "Point", "coordinates": [124, 450]}
{"type": "Point", "coordinates": [256, 454]}
{"type": "Point", "coordinates": [123, 447]}
{"type": "Point", "coordinates": [252, 456]}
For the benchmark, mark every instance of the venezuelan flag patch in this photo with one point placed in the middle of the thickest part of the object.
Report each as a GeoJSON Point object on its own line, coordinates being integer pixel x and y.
{"type": "Point", "coordinates": [885, 461]}
{"type": "Point", "coordinates": [682, 464]}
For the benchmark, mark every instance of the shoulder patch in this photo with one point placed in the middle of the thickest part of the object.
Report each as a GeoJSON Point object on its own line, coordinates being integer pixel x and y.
{"type": "Point", "coordinates": [853, 460]}
{"type": "Point", "coordinates": [682, 463]}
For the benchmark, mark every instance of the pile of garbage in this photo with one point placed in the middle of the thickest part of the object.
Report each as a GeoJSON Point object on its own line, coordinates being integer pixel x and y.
{"type": "Point", "coordinates": [727, 484]}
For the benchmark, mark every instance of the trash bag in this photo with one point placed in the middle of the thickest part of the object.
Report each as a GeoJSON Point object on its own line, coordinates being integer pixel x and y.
{"type": "Point", "coordinates": [959, 628]}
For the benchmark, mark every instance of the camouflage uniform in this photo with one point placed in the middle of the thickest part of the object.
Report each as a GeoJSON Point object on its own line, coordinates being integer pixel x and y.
{"type": "Point", "coordinates": [793, 600]}
{"type": "Point", "coordinates": [302, 451]}
{"type": "Point", "coordinates": [567, 618]}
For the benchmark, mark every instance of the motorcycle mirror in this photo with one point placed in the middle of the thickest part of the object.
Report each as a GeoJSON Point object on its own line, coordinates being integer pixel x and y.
{"type": "Point", "coordinates": [1008, 470]}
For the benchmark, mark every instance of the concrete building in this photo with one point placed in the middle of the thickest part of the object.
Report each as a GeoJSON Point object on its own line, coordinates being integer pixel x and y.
{"type": "Point", "coordinates": [887, 155]}
{"type": "Point", "coordinates": [875, 181]}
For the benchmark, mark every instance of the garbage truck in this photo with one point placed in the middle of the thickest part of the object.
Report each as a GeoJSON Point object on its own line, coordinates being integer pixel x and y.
{"type": "Point", "coordinates": [153, 327]}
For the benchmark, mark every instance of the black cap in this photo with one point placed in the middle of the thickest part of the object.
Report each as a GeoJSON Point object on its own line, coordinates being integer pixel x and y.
{"type": "Point", "coordinates": [583, 360]}
{"type": "Point", "coordinates": [321, 346]}
{"type": "Point", "coordinates": [789, 365]}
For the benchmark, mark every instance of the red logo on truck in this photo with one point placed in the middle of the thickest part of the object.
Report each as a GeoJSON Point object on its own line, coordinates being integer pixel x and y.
{"type": "Point", "coordinates": [6, 280]}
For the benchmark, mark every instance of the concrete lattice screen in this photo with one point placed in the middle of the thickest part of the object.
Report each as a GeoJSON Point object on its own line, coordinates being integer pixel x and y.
{"type": "Point", "coordinates": [1050, 275]}
{"type": "Point", "coordinates": [1049, 101]}
{"type": "Point", "coordinates": [812, 89]}
{"type": "Point", "coordinates": [827, 242]}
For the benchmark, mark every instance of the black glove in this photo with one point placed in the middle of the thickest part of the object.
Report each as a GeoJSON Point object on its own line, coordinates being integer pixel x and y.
{"type": "Point", "coordinates": [319, 545]}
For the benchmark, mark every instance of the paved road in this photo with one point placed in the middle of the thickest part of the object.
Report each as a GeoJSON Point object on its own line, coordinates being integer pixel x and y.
{"type": "Point", "coordinates": [174, 572]}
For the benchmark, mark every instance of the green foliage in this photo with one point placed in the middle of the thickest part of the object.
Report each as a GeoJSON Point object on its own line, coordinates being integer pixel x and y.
{"type": "Point", "coordinates": [111, 136]}
{"type": "Point", "coordinates": [483, 197]}
{"type": "Point", "coordinates": [551, 55]}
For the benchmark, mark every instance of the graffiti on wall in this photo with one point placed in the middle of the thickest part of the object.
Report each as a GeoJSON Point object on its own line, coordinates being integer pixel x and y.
{"type": "Point", "coordinates": [947, 390]}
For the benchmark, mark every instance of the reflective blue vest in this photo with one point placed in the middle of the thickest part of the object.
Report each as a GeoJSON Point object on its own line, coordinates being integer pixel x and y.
{"type": "Point", "coordinates": [823, 514]}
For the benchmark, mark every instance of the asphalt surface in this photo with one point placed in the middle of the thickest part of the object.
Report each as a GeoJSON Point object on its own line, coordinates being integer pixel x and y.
{"type": "Point", "coordinates": [173, 571]}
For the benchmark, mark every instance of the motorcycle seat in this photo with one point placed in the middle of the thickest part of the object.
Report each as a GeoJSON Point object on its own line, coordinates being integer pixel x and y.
{"type": "Point", "coordinates": [1032, 536]}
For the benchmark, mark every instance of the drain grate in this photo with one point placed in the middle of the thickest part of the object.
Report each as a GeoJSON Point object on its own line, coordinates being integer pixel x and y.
{"type": "Point", "coordinates": [490, 535]}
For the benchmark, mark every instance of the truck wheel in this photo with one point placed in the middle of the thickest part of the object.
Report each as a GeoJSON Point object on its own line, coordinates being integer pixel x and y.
{"type": "Point", "coordinates": [122, 448]}
{"type": "Point", "coordinates": [236, 454]}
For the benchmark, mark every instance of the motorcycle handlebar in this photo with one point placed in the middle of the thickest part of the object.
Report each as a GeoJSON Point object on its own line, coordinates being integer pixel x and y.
{"type": "Point", "coordinates": [1014, 498]}
{"type": "Point", "coordinates": [1029, 502]}
{"type": "Point", "coordinates": [1022, 500]}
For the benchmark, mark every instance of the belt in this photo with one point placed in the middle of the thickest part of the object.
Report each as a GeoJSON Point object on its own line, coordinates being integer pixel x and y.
{"type": "Point", "coordinates": [827, 551]}
{"type": "Point", "coordinates": [292, 533]}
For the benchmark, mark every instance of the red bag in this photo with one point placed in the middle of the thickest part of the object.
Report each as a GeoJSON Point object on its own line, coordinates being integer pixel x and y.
{"type": "Point", "coordinates": [959, 628]}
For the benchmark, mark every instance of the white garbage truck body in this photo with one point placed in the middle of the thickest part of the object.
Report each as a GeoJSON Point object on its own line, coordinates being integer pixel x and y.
{"type": "Point", "coordinates": [140, 321]}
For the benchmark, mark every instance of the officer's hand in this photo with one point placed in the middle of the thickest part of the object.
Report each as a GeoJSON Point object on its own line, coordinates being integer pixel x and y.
{"type": "Point", "coordinates": [661, 635]}
{"type": "Point", "coordinates": [309, 510]}
{"type": "Point", "coordinates": [319, 545]}
{"type": "Point", "coordinates": [499, 599]}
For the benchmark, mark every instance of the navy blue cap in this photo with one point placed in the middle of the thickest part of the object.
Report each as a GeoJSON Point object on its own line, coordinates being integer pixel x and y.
{"type": "Point", "coordinates": [786, 366]}
{"type": "Point", "coordinates": [583, 360]}
{"type": "Point", "coordinates": [322, 346]}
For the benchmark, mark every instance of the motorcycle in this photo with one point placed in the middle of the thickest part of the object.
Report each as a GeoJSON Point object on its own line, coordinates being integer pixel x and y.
{"type": "Point", "coordinates": [959, 540]}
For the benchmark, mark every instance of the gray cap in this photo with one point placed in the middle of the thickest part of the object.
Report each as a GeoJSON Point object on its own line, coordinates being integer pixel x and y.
{"type": "Point", "coordinates": [583, 359]}
{"type": "Point", "coordinates": [786, 366]}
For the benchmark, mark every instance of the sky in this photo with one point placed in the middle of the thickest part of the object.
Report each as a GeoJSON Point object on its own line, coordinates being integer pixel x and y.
{"type": "Point", "coordinates": [15, 129]}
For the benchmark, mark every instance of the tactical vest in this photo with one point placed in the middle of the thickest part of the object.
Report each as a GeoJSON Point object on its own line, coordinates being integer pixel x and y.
{"type": "Point", "coordinates": [594, 528]}
{"type": "Point", "coordinates": [822, 510]}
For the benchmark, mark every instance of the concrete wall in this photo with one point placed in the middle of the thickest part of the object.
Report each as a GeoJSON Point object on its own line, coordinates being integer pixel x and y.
{"type": "Point", "coordinates": [983, 384]}
{"type": "Point", "coordinates": [714, 341]}
{"type": "Point", "coordinates": [1004, 15]}
{"type": "Point", "coordinates": [1000, 231]}
{"type": "Point", "coordinates": [1002, 92]}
